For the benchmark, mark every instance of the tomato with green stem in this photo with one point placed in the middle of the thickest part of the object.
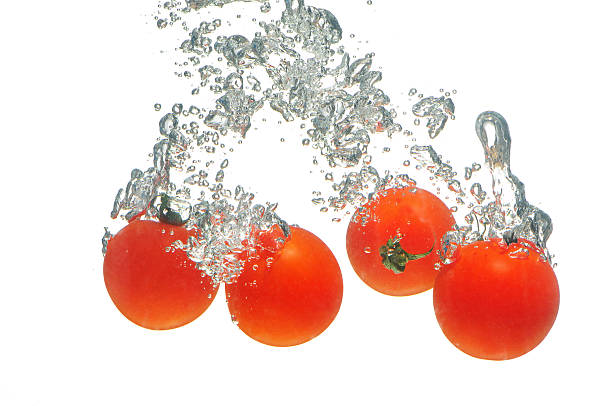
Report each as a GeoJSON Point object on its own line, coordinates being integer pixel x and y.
{"type": "Point", "coordinates": [393, 240]}
{"type": "Point", "coordinates": [287, 297]}
{"type": "Point", "coordinates": [153, 284]}
{"type": "Point", "coordinates": [496, 300]}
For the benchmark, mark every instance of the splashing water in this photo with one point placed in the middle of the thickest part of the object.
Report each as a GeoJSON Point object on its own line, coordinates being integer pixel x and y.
{"type": "Point", "coordinates": [228, 234]}
{"type": "Point", "coordinates": [509, 216]}
{"type": "Point", "coordinates": [228, 222]}
{"type": "Point", "coordinates": [296, 68]}
{"type": "Point", "coordinates": [291, 68]}
{"type": "Point", "coordinates": [437, 111]}
{"type": "Point", "coordinates": [512, 217]}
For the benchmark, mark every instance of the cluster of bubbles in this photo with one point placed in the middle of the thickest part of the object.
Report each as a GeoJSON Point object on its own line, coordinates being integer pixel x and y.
{"type": "Point", "coordinates": [228, 222]}
{"type": "Point", "coordinates": [296, 67]}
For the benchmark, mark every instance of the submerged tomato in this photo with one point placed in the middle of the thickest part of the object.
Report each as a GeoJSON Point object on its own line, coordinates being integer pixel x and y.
{"type": "Point", "coordinates": [153, 286]}
{"type": "Point", "coordinates": [393, 240]}
{"type": "Point", "coordinates": [496, 301]}
{"type": "Point", "coordinates": [291, 300]}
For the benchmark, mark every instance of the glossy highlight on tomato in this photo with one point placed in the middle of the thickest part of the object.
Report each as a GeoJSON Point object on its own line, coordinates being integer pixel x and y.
{"type": "Point", "coordinates": [288, 297]}
{"type": "Point", "coordinates": [497, 301]}
{"type": "Point", "coordinates": [153, 285]}
{"type": "Point", "coordinates": [393, 240]}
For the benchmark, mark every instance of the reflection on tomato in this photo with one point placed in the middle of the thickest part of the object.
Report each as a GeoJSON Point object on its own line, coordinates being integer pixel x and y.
{"type": "Point", "coordinates": [152, 285]}
{"type": "Point", "coordinates": [394, 239]}
{"type": "Point", "coordinates": [496, 301]}
{"type": "Point", "coordinates": [289, 297]}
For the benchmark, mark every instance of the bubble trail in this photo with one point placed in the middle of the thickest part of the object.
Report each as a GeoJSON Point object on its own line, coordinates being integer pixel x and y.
{"type": "Point", "coordinates": [509, 216]}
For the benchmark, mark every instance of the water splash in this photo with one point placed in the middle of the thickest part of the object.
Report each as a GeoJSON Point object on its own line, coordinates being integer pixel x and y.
{"type": "Point", "coordinates": [229, 223]}
{"type": "Point", "coordinates": [437, 110]}
{"type": "Point", "coordinates": [509, 216]}
{"type": "Point", "coordinates": [291, 67]}
{"type": "Point", "coordinates": [297, 68]}
{"type": "Point", "coordinates": [230, 233]}
{"type": "Point", "coordinates": [143, 186]}
{"type": "Point", "coordinates": [429, 159]}
{"type": "Point", "coordinates": [105, 239]}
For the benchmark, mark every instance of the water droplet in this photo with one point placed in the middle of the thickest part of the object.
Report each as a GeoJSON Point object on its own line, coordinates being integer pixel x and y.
{"type": "Point", "coordinates": [468, 173]}
{"type": "Point", "coordinates": [454, 186]}
{"type": "Point", "coordinates": [265, 8]}
{"type": "Point", "coordinates": [177, 108]}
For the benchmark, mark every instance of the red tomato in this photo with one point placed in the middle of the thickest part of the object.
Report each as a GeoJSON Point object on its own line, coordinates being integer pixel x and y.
{"type": "Point", "coordinates": [153, 286]}
{"type": "Point", "coordinates": [394, 239]}
{"type": "Point", "coordinates": [496, 301]}
{"type": "Point", "coordinates": [291, 300]}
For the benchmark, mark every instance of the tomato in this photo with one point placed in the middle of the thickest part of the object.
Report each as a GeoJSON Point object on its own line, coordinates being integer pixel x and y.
{"type": "Point", "coordinates": [289, 297]}
{"type": "Point", "coordinates": [152, 285]}
{"type": "Point", "coordinates": [393, 240]}
{"type": "Point", "coordinates": [496, 301]}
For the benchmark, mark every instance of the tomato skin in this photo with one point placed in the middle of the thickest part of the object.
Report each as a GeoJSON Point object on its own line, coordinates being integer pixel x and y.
{"type": "Point", "coordinates": [493, 304]}
{"type": "Point", "coordinates": [420, 217]}
{"type": "Point", "coordinates": [153, 288]}
{"type": "Point", "coordinates": [294, 299]}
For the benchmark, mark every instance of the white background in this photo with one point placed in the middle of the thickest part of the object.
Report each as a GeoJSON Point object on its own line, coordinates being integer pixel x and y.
{"type": "Point", "coordinates": [77, 87]}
